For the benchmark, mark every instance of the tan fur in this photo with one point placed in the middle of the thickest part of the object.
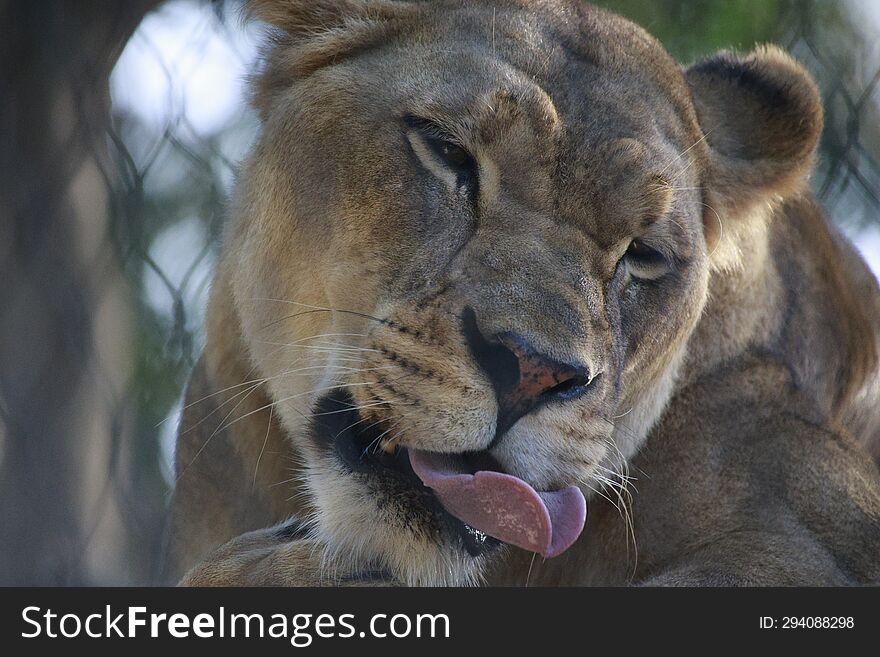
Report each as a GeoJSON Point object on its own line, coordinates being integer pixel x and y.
{"type": "Point", "coordinates": [740, 391]}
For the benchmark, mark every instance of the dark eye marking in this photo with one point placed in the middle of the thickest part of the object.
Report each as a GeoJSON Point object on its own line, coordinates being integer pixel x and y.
{"type": "Point", "coordinates": [436, 147]}
{"type": "Point", "coordinates": [452, 154]}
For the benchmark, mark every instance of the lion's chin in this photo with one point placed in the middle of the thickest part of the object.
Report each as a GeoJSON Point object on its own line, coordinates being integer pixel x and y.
{"type": "Point", "coordinates": [368, 523]}
{"type": "Point", "coordinates": [388, 477]}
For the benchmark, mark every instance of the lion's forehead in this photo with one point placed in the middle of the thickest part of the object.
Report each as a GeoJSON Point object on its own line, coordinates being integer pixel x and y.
{"type": "Point", "coordinates": [582, 57]}
{"type": "Point", "coordinates": [575, 129]}
{"type": "Point", "coordinates": [487, 63]}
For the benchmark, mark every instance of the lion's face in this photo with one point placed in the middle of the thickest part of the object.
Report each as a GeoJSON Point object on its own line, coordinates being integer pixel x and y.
{"type": "Point", "coordinates": [480, 234]}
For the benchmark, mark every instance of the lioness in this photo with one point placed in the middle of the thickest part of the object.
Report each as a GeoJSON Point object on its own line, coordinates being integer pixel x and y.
{"type": "Point", "coordinates": [492, 263]}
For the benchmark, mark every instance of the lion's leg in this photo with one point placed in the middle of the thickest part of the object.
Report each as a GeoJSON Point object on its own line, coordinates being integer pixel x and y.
{"type": "Point", "coordinates": [282, 555]}
{"type": "Point", "coordinates": [764, 557]}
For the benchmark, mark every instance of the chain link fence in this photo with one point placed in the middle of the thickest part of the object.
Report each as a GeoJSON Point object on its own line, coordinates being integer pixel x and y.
{"type": "Point", "coordinates": [112, 203]}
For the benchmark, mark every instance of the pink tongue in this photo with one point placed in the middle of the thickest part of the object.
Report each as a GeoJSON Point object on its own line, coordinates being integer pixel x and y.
{"type": "Point", "coordinates": [504, 506]}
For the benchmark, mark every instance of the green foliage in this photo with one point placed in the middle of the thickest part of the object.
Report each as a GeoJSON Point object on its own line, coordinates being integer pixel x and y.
{"type": "Point", "coordinates": [691, 30]}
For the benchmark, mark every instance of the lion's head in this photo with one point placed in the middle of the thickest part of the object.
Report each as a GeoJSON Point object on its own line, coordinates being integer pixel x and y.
{"type": "Point", "coordinates": [477, 236]}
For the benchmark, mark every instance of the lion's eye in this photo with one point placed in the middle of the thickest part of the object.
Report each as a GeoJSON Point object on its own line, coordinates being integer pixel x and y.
{"type": "Point", "coordinates": [443, 156]}
{"type": "Point", "coordinates": [644, 262]}
{"type": "Point", "coordinates": [452, 154]}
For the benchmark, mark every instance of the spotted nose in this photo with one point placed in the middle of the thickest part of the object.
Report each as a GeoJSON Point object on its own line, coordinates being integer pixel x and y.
{"type": "Point", "coordinates": [523, 378]}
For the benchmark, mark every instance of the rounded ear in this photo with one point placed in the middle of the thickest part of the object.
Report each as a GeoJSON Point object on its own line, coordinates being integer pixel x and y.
{"type": "Point", "coordinates": [761, 115]}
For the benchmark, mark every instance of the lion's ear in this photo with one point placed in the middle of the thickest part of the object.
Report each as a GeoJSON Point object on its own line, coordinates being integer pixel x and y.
{"type": "Point", "coordinates": [761, 115]}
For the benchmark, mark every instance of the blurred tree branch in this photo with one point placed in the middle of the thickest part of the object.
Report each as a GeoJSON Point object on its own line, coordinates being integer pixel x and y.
{"type": "Point", "coordinates": [57, 57]}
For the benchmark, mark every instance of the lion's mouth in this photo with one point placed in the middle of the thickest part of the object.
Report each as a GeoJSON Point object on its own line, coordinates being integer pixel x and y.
{"type": "Point", "coordinates": [504, 506]}
{"type": "Point", "coordinates": [469, 492]}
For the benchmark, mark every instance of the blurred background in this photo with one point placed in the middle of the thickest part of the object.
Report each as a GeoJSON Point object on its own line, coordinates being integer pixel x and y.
{"type": "Point", "coordinates": [122, 125]}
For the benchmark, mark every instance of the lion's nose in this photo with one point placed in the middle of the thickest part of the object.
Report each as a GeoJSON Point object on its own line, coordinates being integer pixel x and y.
{"type": "Point", "coordinates": [522, 377]}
